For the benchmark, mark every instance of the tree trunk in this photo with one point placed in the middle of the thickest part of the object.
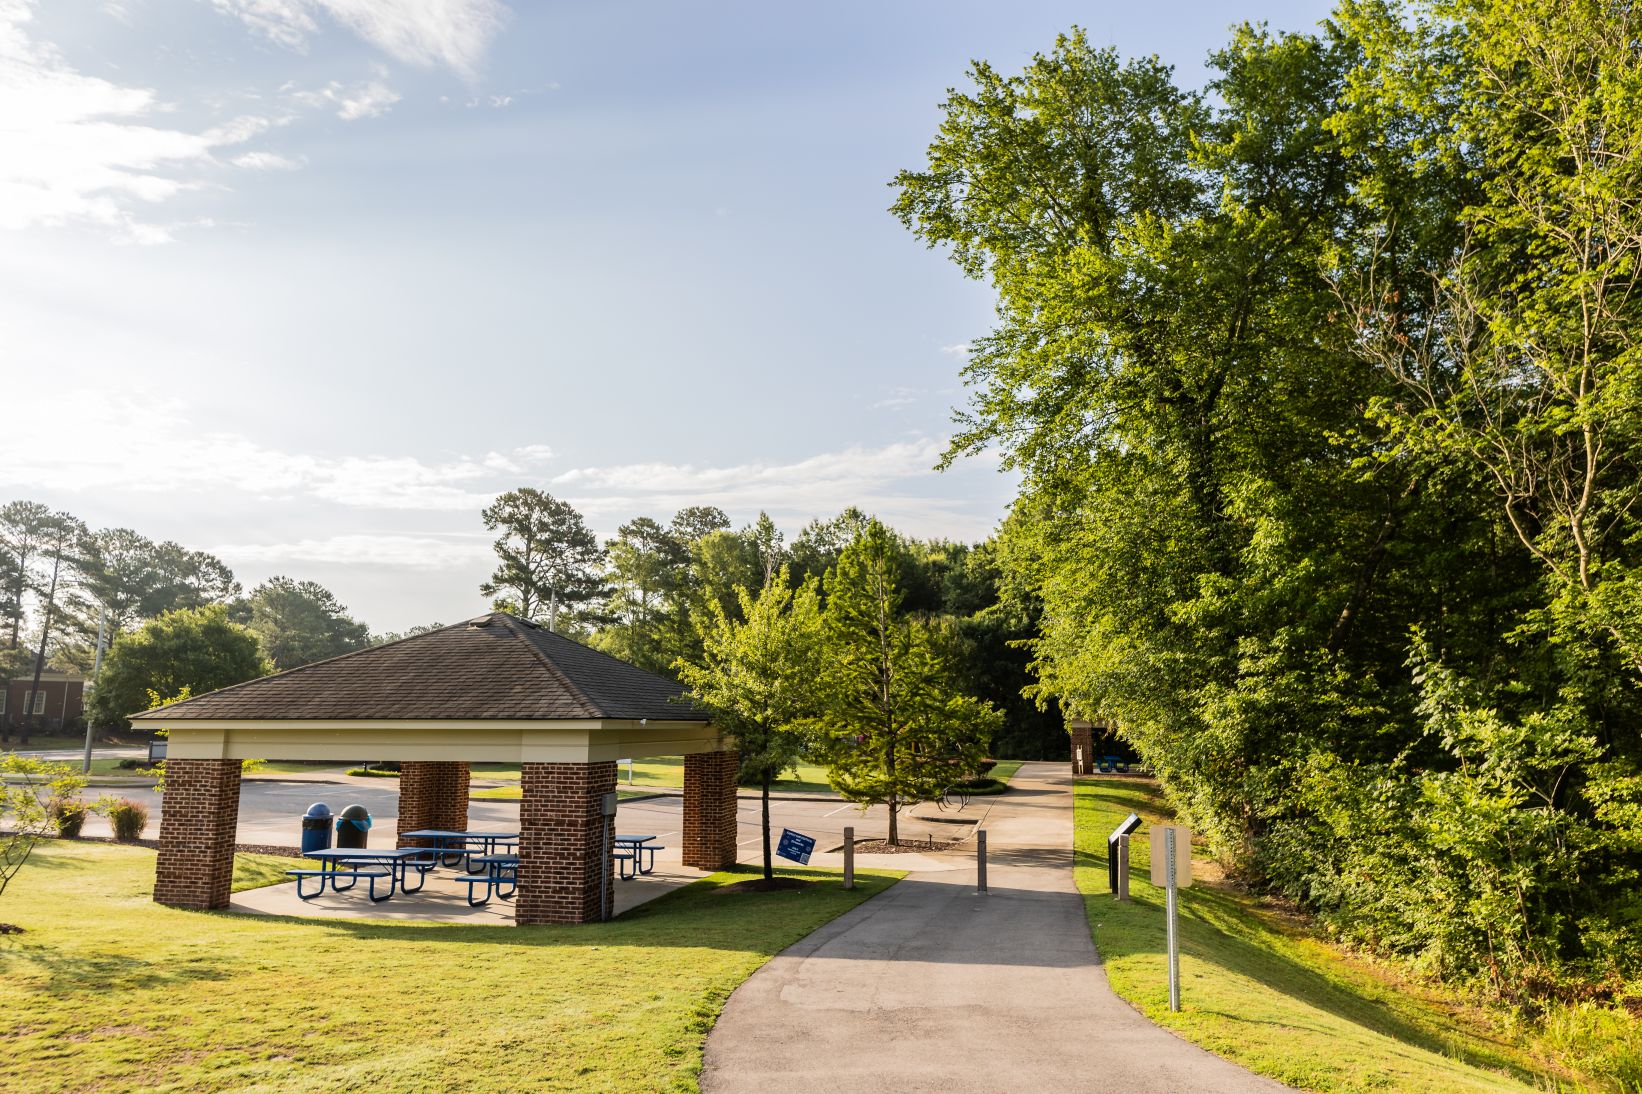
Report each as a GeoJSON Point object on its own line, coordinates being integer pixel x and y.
{"type": "Point", "coordinates": [769, 862]}
{"type": "Point", "coordinates": [894, 817]}
{"type": "Point", "coordinates": [40, 657]}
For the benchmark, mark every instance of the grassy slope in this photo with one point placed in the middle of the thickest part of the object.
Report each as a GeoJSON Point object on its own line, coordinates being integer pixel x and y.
{"type": "Point", "coordinates": [1258, 988]}
{"type": "Point", "coordinates": [1004, 770]}
{"type": "Point", "coordinates": [110, 991]}
{"type": "Point", "coordinates": [668, 772]}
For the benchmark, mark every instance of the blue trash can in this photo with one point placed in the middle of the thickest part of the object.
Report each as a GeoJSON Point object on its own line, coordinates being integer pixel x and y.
{"type": "Point", "coordinates": [316, 828]}
{"type": "Point", "coordinates": [353, 824]}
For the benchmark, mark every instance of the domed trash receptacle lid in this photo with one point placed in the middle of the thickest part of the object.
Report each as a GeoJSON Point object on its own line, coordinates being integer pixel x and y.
{"type": "Point", "coordinates": [352, 825]}
{"type": "Point", "coordinates": [316, 828]}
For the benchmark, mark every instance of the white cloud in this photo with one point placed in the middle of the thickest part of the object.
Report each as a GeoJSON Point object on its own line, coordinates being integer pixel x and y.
{"type": "Point", "coordinates": [961, 349]}
{"type": "Point", "coordinates": [893, 481]}
{"type": "Point", "coordinates": [78, 149]}
{"type": "Point", "coordinates": [366, 99]}
{"type": "Point", "coordinates": [451, 33]}
{"type": "Point", "coordinates": [267, 161]}
{"type": "Point", "coordinates": [897, 397]}
{"type": "Point", "coordinates": [138, 444]}
{"type": "Point", "coordinates": [368, 549]}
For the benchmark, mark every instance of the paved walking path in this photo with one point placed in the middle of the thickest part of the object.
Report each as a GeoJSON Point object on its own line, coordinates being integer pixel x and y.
{"type": "Point", "coordinates": [931, 987]}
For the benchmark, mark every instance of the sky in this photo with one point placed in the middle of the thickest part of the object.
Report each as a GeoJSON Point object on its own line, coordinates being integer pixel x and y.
{"type": "Point", "coordinates": [306, 283]}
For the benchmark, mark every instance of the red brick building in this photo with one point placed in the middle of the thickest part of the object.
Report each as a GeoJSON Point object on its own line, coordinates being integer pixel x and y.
{"type": "Point", "coordinates": [58, 703]}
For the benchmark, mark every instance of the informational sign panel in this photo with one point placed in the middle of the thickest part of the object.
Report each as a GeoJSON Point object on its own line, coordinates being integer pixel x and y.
{"type": "Point", "coordinates": [795, 846]}
{"type": "Point", "coordinates": [1182, 856]}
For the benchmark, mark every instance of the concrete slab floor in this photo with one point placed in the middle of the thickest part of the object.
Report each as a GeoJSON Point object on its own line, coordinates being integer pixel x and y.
{"type": "Point", "coordinates": [442, 900]}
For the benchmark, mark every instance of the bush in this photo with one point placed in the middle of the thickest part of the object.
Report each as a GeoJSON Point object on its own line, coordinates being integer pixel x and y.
{"type": "Point", "coordinates": [128, 819]}
{"type": "Point", "coordinates": [69, 815]}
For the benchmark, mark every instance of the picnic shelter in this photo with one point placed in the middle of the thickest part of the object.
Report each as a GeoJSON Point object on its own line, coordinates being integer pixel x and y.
{"type": "Point", "coordinates": [495, 689]}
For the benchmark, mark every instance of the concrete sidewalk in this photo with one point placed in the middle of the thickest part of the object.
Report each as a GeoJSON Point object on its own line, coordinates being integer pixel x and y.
{"type": "Point", "coordinates": [932, 987]}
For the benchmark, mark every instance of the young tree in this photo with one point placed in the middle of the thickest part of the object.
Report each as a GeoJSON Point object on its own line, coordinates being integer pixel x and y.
{"type": "Point", "coordinates": [549, 557]}
{"type": "Point", "coordinates": [300, 622]}
{"type": "Point", "coordinates": [757, 676]}
{"type": "Point", "coordinates": [27, 789]}
{"type": "Point", "coordinates": [894, 725]}
{"type": "Point", "coordinates": [197, 649]}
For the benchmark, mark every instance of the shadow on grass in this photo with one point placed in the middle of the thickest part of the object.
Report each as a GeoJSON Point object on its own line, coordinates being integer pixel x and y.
{"type": "Point", "coordinates": [1216, 929]}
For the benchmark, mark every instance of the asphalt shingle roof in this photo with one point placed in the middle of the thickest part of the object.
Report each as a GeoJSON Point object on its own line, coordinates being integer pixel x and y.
{"type": "Point", "coordinates": [494, 667]}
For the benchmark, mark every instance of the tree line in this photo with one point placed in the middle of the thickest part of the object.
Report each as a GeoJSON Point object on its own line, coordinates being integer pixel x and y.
{"type": "Point", "coordinates": [646, 593]}
{"type": "Point", "coordinates": [1323, 387]}
{"type": "Point", "coordinates": [168, 617]}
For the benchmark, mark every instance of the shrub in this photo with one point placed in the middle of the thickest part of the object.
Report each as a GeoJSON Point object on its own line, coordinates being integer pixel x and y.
{"type": "Point", "coordinates": [128, 819]}
{"type": "Point", "coordinates": [69, 815]}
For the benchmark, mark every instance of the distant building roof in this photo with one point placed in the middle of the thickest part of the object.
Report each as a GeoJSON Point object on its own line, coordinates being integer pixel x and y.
{"type": "Point", "coordinates": [494, 667]}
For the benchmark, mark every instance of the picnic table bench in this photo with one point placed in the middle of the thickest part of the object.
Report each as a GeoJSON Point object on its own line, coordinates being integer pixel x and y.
{"type": "Point", "coordinates": [635, 855]}
{"type": "Point", "coordinates": [500, 871]}
{"type": "Point", "coordinates": [354, 863]}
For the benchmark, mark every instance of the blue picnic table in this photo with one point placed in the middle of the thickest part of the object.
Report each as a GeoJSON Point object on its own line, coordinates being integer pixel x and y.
{"type": "Point", "coordinates": [391, 863]}
{"type": "Point", "coordinates": [455, 846]}
{"type": "Point", "coordinates": [630, 852]}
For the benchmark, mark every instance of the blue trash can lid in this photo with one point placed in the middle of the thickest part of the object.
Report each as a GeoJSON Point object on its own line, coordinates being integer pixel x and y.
{"type": "Point", "coordinates": [318, 809]}
{"type": "Point", "coordinates": [357, 815]}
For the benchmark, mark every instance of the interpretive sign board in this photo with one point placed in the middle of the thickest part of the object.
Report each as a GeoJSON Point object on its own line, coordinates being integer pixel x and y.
{"type": "Point", "coordinates": [795, 846]}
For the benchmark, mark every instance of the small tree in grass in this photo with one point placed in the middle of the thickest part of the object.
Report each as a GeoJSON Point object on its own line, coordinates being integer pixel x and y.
{"type": "Point", "coordinates": [895, 727]}
{"type": "Point", "coordinates": [757, 676]}
{"type": "Point", "coordinates": [26, 794]}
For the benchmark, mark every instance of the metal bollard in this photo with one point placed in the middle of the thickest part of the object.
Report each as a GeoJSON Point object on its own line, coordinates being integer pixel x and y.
{"type": "Point", "coordinates": [1123, 868]}
{"type": "Point", "coordinates": [980, 861]}
{"type": "Point", "coordinates": [849, 858]}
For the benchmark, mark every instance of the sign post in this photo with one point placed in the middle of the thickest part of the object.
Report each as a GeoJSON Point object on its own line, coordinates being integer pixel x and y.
{"type": "Point", "coordinates": [849, 858]}
{"type": "Point", "coordinates": [980, 860]}
{"type": "Point", "coordinates": [1172, 870]}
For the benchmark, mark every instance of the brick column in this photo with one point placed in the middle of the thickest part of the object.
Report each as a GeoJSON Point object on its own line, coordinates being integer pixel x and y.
{"type": "Point", "coordinates": [709, 809]}
{"type": "Point", "coordinates": [1083, 736]}
{"type": "Point", "coordinates": [198, 816]}
{"type": "Point", "coordinates": [562, 847]}
{"type": "Point", "coordinates": [432, 794]}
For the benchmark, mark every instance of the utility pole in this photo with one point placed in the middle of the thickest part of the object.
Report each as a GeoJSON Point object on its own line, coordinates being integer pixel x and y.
{"type": "Point", "coordinates": [96, 670]}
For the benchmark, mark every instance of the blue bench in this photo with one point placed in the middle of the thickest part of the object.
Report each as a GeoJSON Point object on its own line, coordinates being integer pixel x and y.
{"type": "Point", "coordinates": [374, 873]}
{"type": "Point", "coordinates": [500, 871]}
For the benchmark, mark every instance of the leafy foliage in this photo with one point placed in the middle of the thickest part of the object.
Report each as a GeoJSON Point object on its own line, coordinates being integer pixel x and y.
{"type": "Point", "coordinates": [190, 651]}
{"type": "Point", "coordinates": [1320, 387]}
{"type": "Point", "coordinates": [28, 787]}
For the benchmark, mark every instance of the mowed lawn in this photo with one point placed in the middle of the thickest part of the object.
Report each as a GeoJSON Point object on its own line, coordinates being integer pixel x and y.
{"type": "Point", "coordinates": [667, 772]}
{"type": "Point", "coordinates": [108, 991]}
{"type": "Point", "coordinates": [1259, 988]}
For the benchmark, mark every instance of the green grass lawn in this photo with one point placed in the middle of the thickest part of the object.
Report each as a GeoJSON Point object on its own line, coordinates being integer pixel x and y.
{"type": "Point", "coordinates": [513, 793]}
{"type": "Point", "coordinates": [667, 772]}
{"type": "Point", "coordinates": [108, 991]}
{"type": "Point", "coordinates": [1004, 770]}
{"type": "Point", "coordinates": [1259, 988]}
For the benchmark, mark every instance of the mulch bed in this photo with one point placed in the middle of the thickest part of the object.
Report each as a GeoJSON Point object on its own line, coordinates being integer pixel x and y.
{"type": "Point", "coordinates": [759, 885]}
{"type": "Point", "coordinates": [905, 847]}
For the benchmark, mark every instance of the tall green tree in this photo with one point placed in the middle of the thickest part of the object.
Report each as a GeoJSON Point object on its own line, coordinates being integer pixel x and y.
{"type": "Point", "coordinates": [645, 579]}
{"type": "Point", "coordinates": [757, 676]}
{"type": "Point", "coordinates": [198, 649]}
{"type": "Point", "coordinates": [23, 526]}
{"type": "Point", "coordinates": [299, 622]}
{"type": "Point", "coordinates": [894, 725]}
{"type": "Point", "coordinates": [548, 558]}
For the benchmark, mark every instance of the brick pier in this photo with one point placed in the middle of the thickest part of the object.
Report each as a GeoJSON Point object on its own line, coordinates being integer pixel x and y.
{"type": "Point", "coordinates": [709, 809]}
{"type": "Point", "coordinates": [195, 867]}
{"type": "Point", "coordinates": [1083, 737]}
{"type": "Point", "coordinates": [561, 842]}
{"type": "Point", "coordinates": [432, 794]}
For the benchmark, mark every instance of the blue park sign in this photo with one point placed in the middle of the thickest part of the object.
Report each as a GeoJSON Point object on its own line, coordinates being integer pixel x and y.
{"type": "Point", "coordinates": [795, 846]}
